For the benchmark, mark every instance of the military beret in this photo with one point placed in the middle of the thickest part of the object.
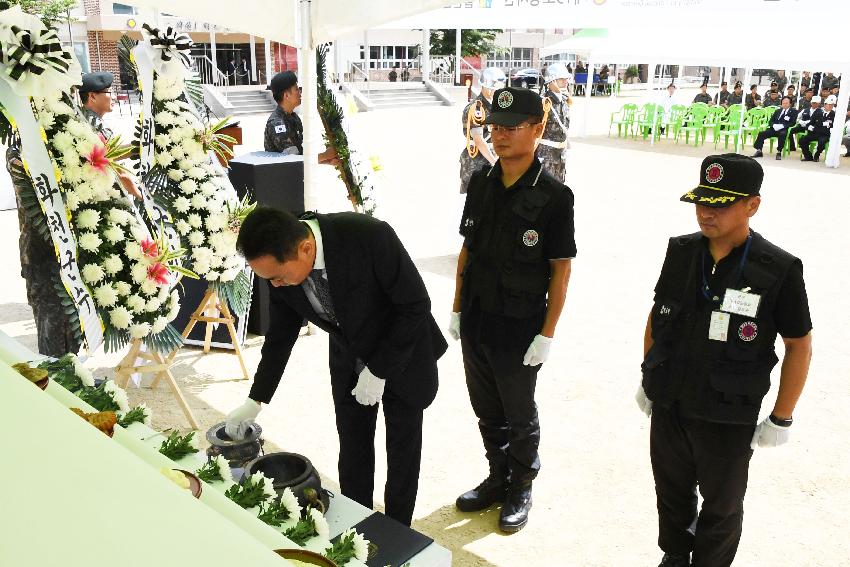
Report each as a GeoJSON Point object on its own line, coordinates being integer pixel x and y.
{"type": "Point", "coordinates": [282, 81]}
{"type": "Point", "coordinates": [93, 82]}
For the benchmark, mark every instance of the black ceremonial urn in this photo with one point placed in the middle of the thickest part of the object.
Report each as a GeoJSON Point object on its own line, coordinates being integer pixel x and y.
{"type": "Point", "coordinates": [290, 470]}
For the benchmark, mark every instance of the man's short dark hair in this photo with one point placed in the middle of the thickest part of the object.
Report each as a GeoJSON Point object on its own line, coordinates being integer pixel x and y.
{"type": "Point", "coordinates": [788, 97]}
{"type": "Point", "coordinates": [84, 97]}
{"type": "Point", "coordinates": [270, 232]}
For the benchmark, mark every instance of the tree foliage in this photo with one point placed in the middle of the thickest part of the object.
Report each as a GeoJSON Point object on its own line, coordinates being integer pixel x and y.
{"type": "Point", "coordinates": [50, 11]}
{"type": "Point", "coordinates": [472, 42]}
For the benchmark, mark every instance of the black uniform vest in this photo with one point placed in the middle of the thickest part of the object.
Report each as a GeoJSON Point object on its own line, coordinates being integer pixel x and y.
{"type": "Point", "coordinates": [506, 270]}
{"type": "Point", "coordinates": [709, 379]}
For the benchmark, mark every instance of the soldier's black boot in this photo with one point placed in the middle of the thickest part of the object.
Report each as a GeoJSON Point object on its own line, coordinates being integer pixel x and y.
{"type": "Point", "coordinates": [674, 560]}
{"type": "Point", "coordinates": [515, 510]}
{"type": "Point", "coordinates": [492, 490]}
{"type": "Point", "coordinates": [758, 154]}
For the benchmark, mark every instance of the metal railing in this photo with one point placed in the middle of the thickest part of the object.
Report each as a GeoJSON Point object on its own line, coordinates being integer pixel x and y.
{"type": "Point", "coordinates": [358, 71]}
{"type": "Point", "coordinates": [476, 74]}
{"type": "Point", "coordinates": [209, 73]}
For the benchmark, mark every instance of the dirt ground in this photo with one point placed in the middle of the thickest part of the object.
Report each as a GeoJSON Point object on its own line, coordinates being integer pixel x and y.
{"type": "Point", "coordinates": [594, 501]}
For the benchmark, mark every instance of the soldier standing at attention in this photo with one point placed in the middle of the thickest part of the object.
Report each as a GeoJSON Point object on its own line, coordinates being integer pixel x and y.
{"type": "Point", "coordinates": [478, 152]}
{"type": "Point", "coordinates": [709, 346]}
{"type": "Point", "coordinates": [554, 144]}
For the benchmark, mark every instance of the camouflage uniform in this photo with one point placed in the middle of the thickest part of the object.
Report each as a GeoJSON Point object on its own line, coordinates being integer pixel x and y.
{"type": "Point", "coordinates": [557, 126]}
{"type": "Point", "coordinates": [97, 122]}
{"type": "Point", "coordinates": [469, 165]}
{"type": "Point", "coordinates": [702, 97]}
{"type": "Point", "coordinates": [283, 133]}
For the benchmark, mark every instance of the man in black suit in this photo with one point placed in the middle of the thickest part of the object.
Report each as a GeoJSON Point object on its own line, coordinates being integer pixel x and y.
{"type": "Point", "coordinates": [804, 118]}
{"type": "Point", "coordinates": [350, 275]}
{"type": "Point", "coordinates": [819, 130]}
{"type": "Point", "coordinates": [780, 123]}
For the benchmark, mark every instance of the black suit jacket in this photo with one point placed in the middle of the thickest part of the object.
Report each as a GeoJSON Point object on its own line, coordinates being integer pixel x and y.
{"type": "Point", "coordinates": [822, 123]}
{"type": "Point", "coordinates": [383, 308]}
{"type": "Point", "coordinates": [787, 121]}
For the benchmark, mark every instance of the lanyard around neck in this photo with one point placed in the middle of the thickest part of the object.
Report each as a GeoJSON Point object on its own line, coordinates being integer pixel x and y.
{"type": "Point", "coordinates": [706, 289]}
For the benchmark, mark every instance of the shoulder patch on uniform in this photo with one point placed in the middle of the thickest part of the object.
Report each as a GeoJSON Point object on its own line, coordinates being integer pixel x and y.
{"type": "Point", "coordinates": [766, 258]}
{"type": "Point", "coordinates": [280, 128]}
{"type": "Point", "coordinates": [684, 240]}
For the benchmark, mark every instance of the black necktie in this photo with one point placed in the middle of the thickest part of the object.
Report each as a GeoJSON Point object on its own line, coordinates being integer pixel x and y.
{"type": "Point", "coordinates": [323, 294]}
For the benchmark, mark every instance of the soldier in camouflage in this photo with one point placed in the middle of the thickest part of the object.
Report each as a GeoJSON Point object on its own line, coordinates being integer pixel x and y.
{"type": "Point", "coordinates": [478, 152]}
{"type": "Point", "coordinates": [96, 96]}
{"type": "Point", "coordinates": [553, 147]}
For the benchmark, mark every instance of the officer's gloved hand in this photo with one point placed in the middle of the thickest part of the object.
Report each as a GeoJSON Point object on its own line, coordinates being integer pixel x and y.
{"type": "Point", "coordinates": [768, 434]}
{"type": "Point", "coordinates": [369, 389]}
{"type": "Point", "coordinates": [240, 419]}
{"type": "Point", "coordinates": [644, 403]}
{"type": "Point", "coordinates": [538, 351]}
{"type": "Point", "coordinates": [454, 325]}
{"type": "Point", "coordinates": [811, 128]}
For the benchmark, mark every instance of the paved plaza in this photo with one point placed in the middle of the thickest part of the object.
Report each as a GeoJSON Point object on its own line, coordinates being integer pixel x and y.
{"type": "Point", "coordinates": [594, 502]}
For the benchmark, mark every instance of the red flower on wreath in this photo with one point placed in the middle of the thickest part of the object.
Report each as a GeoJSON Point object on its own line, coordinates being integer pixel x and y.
{"type": "Point", "coordinates": [159, 273]}
{"type": "Point", "coordinates": [150, 248]}
{"type": "Point", "coordinates": [97, 158]}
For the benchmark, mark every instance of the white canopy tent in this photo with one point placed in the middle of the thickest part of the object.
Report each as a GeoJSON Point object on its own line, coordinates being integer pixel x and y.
{"type": "Point", "coordinates": [685, 47]}
{"type": "Point", "coordinates": [299, 23]}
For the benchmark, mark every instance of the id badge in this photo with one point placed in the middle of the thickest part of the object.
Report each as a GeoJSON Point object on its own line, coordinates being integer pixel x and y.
{"type": "Point", "coordinates": [741, 302]}
{"type": "Point", "coordinates": [718, 328]}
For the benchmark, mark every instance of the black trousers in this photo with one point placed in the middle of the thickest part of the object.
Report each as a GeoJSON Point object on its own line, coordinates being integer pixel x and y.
{"type": "Point", "coordinates": [792, 142]}
{"type": "Point", "coordinates": [808, 139]}
{"type": "Point", "coordinates": [690, 453]}
{"type": "Point", "coordinates": [501, 390]}
{"type": "Point", "coordinates": [355, 424]}
{"type": "Point", "coordinates": [771, 133]}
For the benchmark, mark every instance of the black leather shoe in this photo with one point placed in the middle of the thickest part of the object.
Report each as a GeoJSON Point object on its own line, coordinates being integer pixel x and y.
{"type": "Point", "coordinates": [817, 157]}
{"type": "Point", "coordinates": [492, 490]}
{"type": "Point", "coordinates": [778, 156]}
{"type": "Point", "coordinates": [515, 510]}
{"type": "Point", "coordinates": [807, 159]}
{"type": "Point", "coordinates": [671, 560]}
{"type": "Point", "coordinates": [758, 153]}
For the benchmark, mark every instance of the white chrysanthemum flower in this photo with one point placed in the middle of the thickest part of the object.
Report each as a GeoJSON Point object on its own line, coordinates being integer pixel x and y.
{"type": "Point", "coordinates": [177, 152]}
{"type": "Point", "coordinates": [77, 128]}
{"type": "Point", "coordinates": [290, 502]}
{"type": "Point", "coordinates": [164, 159]}
{"type": "Point", "coordinates": [138, 233]}
{"type": "Point", "coordinates": [164, 118]}
{"type": "Point", "coordinates": [196, 238]}
{"type": "Point", "coordinates": [73, 173]}
{"type": "Point", "coordinates": [153, 305]}
{"type": "Point", "coordinates": [212, 275]}
{"type": "Point", "coordinates": [87, 219]}
{"type": "Point", "coordinates": [149, 287]}
{"type": "Point", "coordinates": [182, 204]}
{"type": "Point", "coordinates": [173, 107]}
{"type": "Point", "coordinates": [197, 173]}
{"type": "Point", "coordinates": [202, 254]}
{"type": "Point", "coordinates": [102, 181]}
{"type": "Point", "coordinates": [92, 273]}
{"type": "Point", "coordinates": [229, 274]}
{"type": "Point", "coordinates": [174, 298]}
{"type": "Point", "coordinates": [176, 174]}
{"type": "Point", "coordinates": [321, 523]}
{"type": "Point", "coordinates": [195, 220]}
{"type": "Point", "coordinates": [123, 288]}
{"type": "Point", "coordinates": [83, 373]}
{"type": "Point", "coordinates": [189, 186]}
{"type": "Point", "coordinates": [201, 268]}
{"type": "Point", "coordinates": [216, 222]}
{"type": "Point", "coordinates": [183, 227]}
{"type": "Point", "coordinates": [112, 264]}
{"type": "Point", "coordinates": [72, 201]}
{"type": "Point", "coordinates": [136, 303]}
{"type": "Point", "coordinates": [118, 394]}
{"type": "Point", "coordinates": [199, 202]}
{"type": "Point", "coordinates": [163, 295]}
{"type": "Point", "coordinates": [63, 141]}
{"type": "Point", "coordinates": [46, 119]}
{"type": "Point", "coordinates": [185, 165]}
{"type": "Point", "coordinates": [120, 216]}
{"type": "Point", "coordinates": [90, 241]}
{"type": "Point", "coordinates": [162, 140]}
{"type": "Point", "coordinates": [133, 251]}
{"type": "Point", "coordinates": [85, 192]}
{"type": "Point", "coordinates": [208, 189]}
{"type": "Point", "coordinates": [120, 317]}
{"type": "Point", "coordinates": [215, 205]}
{"type": "Point", "coordinates": [159, 324]}
{"type": "Point", "coordinates": [56, 106]}
{"type": "Point", "coordinates": [192, 147]}
{"type": "Point", "coordinates": [361, 548]}
{"type": "Point", "coordinates": [139, 272]}
{"type": "Point", "coordinates": [148, 413]}
{"type": "Point", "coordinates": [114, 234]}
{"type": "Point", "coordinates": [140, 330]}
{"type": "Point", "coordinates": [84, 146]}
{"type": "Point", "coordinates": [223, 468]}
{"type": "Point", "coordinates": [105, 295]}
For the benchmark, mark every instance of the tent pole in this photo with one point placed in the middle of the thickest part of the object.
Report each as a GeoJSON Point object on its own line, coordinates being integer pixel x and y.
{"type": "Point", "coordinates": [425, 69]}
{"type": "Point", "coordinates": [651, 99]}
{"type": "Point", "coordinates": [738, 141]}
{"type": "Point", "coordinates": [213, 57]}
{"type": "Point", "coordinates": [588, 86]}
{"type": "Point", "coordinates": [458, 39]}
{"type": "Point", "coordinates": [252, 42]}
{"type": "Point", "coordinates": [267, 50]}
{"type": "Point", "coordinates": [308, 107]}
{"type": "Point", "coordinates": [679, 75]}
{"type": "Point", "coordinates": [833, 158]}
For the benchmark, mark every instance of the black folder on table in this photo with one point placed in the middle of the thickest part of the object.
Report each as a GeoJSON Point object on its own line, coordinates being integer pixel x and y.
{"type": "Point", "coordinates": [390, 543]}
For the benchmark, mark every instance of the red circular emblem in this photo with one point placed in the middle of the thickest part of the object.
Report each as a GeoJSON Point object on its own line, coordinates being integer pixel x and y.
{"type": "Point", "coordinates": [748, 331]}
{"type": "Point", "coordinates": [714, 173]}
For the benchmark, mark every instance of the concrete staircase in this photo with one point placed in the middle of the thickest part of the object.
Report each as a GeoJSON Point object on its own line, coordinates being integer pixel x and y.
{"type": "Point", "coordinates": [250, 101]}
{"type": "Point", "coordinates": [409, 96]}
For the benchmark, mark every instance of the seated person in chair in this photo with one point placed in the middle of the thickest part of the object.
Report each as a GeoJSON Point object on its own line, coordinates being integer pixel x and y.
{"type": "Point", "coordinates": [703, 96]}
{"type": "Point", "coordinates": [803, 120]}
{"type": "Point", "coordinates": [780, 123]}
{"type": "Point", "coordinates": [819, 130]}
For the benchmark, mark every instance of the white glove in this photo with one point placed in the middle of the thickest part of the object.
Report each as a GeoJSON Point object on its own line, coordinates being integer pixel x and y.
{"type": "Point", "coordinates": [454, 325]}
{"type": "Point", "coordinates": [538, 351]}
{"type": "Point", "coordinates": [777, 127]}
{"type": "Point", "coordinates": [768, 434]}
{"type": "Point", "coordinates": [811, 128]}
{"type": "Point", "coordinates": [240, 419]}
{"type": "Point", "coordinates": [369, 389]}
{"type": "Point", "coordinates": [644, 403]}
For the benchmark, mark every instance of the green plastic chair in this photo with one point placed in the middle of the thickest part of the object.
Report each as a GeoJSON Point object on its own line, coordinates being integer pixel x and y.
{"type": "Point", "coordinates": [694, 122]}
{"type": "Point", "coordinates": [729, 126]}
{"type": "Point", "coordinates": [626, 119]}
{"type": "Point", "coordinates": [674, 121]}
{"type": "Point", "coordinates": [650, 117]}
{"type": "Point", "coordinates": [753, 123]}
{"type": "Point", "coordinates": [715, 116]}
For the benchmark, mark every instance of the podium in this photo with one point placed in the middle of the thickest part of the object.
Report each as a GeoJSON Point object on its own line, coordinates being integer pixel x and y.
{"type": "Point", "coordinates": [274, 180]}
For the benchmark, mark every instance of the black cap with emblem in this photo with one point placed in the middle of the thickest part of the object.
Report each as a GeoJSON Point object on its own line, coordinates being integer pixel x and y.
{"type": "Point", "coordinates": [726, 179]}
{"type": "Point", "coordinates": [513, 106]}
{"type": "Point", "coordinates": [94, 82]}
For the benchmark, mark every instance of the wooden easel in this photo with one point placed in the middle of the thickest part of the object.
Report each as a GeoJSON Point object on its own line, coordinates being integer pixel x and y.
{"type": "Point", "coordinates": [211, 301]}
{"type": "Point", "coordinates": [156, 364]}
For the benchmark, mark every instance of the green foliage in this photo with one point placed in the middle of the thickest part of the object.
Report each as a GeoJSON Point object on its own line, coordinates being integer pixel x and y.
{"type": "Point", "coordinates": [342, 550]}
{"type": "Point", "coordinates": [135, 415]}
{"type": "Point", "coordinates": [98, 398]}
{"type": "Point", "coordinates": [273, 513]}
{"type": "Point", "coordinates": [125, 46]}
{"type": "Point", "coordinates": [209, 472]}
{"type": "Point", "coordinates": [237, 292]}
{"type": "Point", "coordinates": [50, 11]}
{"type": "Point", "coordinates": [631, 71]}
{"type": "Point", "coordinates": [248, 494]}
{"type": "Point", "coordinates": [302, 531]}
{"type": "Point", "coordinates": [472, 42]}
{"type": "Point", "coordinates": [62, 372]}
{"type": "Point", "coordinates": [178, 446]}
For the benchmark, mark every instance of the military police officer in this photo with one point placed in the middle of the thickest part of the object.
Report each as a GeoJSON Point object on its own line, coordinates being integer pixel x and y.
{"type": "Point", "coordinates": [554, 144]}
{"type": "Point", "coordinates": [96, 96]}
{"type": "Point", "coordinates": [284, 132]}
{"type": "Point", "coordinates": [478, 153]}
{"type": "Point", "coordinates": [511, 285]}
{"type": "Point", "coordinates": [723, 295]}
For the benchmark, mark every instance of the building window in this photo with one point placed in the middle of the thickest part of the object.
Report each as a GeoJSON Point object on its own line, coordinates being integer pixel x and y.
{"type": "Point", "coordinates": [81, 52]}
{"type": "Point", "coordinates": [391, 56]}
{"type": "Point", "coordinates": [122, 9]}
